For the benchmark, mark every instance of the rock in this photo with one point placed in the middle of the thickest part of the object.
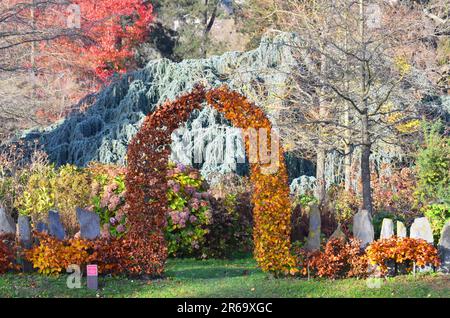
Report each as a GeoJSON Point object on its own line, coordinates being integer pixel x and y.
{"type": "Point", "coordinates": [444, 248]}
{"type": "Point", "coordinates": [89, 224]}
{"type": "Point", "coordinates": [24, 227]}
{"type": "Point", "coordinates": [363, 228]}
{"type": "Point", "coordinates": [387, 229]}
{"type": "Point", "coordinates": [313, 241]}
{"type": "Point", "coordinates": [42, 227]}
{"type": "Point", "coordinates": [401, 229]}
{"type": "Point", "coordinates": [7, 225]}
{"type": "Point", "coordinates": [421, 229]}
{"type": "Point", "coordinates": [56, 228]}
{"type": "Point", "coordinates": [338, 234]}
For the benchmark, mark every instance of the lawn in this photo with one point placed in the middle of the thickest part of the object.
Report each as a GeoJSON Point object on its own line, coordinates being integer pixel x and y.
{"type": "Point", "coordinates": [217, 278]}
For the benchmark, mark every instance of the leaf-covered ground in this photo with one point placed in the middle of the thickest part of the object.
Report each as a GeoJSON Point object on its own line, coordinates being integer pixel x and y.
{"type": "Point", "coordinates": [214, 278]}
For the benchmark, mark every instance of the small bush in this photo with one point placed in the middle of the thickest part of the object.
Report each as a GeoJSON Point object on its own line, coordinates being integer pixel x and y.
{"type": "Point", "coordinates": [53, 256]}
{"type": "Point", "coordinates": [111, 255]}
{"type": "Point", "coordinates": [108, 198]}
{"type": "Point", "coordinates": [438, 215]}
{"type": "Point", "coordinates": [70, 189]}
{"type": "Point", "coordinates": [189, 211]}
{"type": "Point", "coordinates": [15, 169]}
{"type": "Point", "coordinates": [7, 254]}
{"type": "Point", "coordinates": [402, 251]}
{"type": "Point", "coordinates": [393, 192]}
{"type": "Point", "coordinates": [345, 203]}
{"type": "Point", "coordinates": [230, 232]}
{"type": "Point", "coordinates": [38, 197]}
{"type": "Point", "coordinates": [224, 184]}
{"type": "Point", "coordinates": [433, 166]}
{"type": "Point", "coordinates": [339, 259]}
{"type": "Point", "coordinates": [64, 189]}
{"type": "Point", "coordinates": [300, 223]}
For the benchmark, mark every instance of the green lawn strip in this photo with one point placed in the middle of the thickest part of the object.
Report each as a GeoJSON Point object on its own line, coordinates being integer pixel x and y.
{"type": "Point", "coordinates": [224, 278]}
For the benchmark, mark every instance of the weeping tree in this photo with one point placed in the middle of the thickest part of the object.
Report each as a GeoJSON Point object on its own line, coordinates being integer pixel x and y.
{"type": "Point", "coordinates": [357, 85]}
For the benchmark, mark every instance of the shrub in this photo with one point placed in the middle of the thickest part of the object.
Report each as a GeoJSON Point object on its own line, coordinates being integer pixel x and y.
{"type": "Point", "coordinates": [70, 188]}
{"type": "Point", "coordinates": [15, 169]}
{"type": "Point", "coordinates": [64, 189]}
{"type": "Point", "coordinates": [346, 203]}
{"type": "Point", "coordinates": [189, 211]}
{"type": "Point", "coordinates": [38, 198]}
{"type": "Point", "coordinates": [402, 251]}
{"type": "Point", "coordinates": [438, 215]}
{"type": "Point", "coordinates": [111, 255]}
{"type": "Point", "coordinates": [300, 222]}
{"type": "Point", "coordinates": [52, 256]}
{"type": "Point", "coordinates": [7, 254]}
{"type": "Point", "coordinates": [108, 198]}
{"type": "Point", "coordinates": [305, 199]}
{"type": "Point", "coordinates": [230, 232]}
{"type": "Point", "coordinates": [224, 184]}
{"type": "Point", "coordinates": [393, 192]}
{"type": "Point", "coordinates": [433, 166]}
{"type": "Point", "coordinates": [339, 259]}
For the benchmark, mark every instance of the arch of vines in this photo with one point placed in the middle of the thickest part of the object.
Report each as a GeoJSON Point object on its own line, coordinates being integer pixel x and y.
{"type": "Point", "coordinates": [148, 156]}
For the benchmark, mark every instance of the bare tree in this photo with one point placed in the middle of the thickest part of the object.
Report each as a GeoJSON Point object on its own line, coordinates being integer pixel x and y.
{"type": "Point", "coordinates": [19, 28]}
{"type": "Point", "coordinates": [355, 87]}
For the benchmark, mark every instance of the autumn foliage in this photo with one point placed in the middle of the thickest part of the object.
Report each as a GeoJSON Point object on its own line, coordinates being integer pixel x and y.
{"type": "Point", "coordinates": [148, 155]}
{"type": "Point", "coordinates": [405, 251]}
{"type": "Point", "coordinates": [111, 255]}
{"type": "Point", "coordinates": [109, 31]}
{"type": "Point", "coordinates": [147, 185]}
{"type": "Point", "coordinates": [7, 253]}
{"type": "Point", "coordinates": [339, 259]}
{"type": "Point", "coordinates": [52, 256]}
{"type": "Point", "coordinates": [272, 208]}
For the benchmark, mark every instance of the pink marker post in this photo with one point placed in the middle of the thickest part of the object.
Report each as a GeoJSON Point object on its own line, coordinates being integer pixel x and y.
{"type": "Point", "coordinates": [92, 277]}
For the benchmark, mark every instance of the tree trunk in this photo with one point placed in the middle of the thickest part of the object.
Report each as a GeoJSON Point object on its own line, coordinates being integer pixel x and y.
{"type": "Point", "coordinates": [203, 49]}
{"type": "Point", "coordinates": [208, 24]}
{"type": "Point", "coordinates": [365, 164]}
{"type": "Point", "coordinates": [348, 168]}
{"type": "Point", "coordinates": [365, 134]}
{"type": "Point", "coordinates": [320, 190]}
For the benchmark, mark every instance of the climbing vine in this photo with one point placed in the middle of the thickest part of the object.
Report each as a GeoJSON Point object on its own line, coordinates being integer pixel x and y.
{"type": "Point", "coordinates": [147, 186]}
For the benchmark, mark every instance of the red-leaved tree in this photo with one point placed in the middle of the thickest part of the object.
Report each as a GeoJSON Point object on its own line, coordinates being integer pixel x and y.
{"type": "Point", "coordinates": [54, 52]}
{"type": "Point", "coordinates": [109, 32]}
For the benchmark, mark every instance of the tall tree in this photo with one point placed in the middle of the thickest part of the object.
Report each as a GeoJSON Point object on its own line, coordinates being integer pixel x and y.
{"type": "Point", "coordinates": [56, 51]}
{"type": "Point", "coordinates": [110, 29]}
{"type": "Point", "coordinates": [352, 62]}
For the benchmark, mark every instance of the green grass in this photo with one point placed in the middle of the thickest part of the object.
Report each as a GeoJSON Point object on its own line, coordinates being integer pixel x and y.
{"type": "Point", "coordinates": [216, 278]}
